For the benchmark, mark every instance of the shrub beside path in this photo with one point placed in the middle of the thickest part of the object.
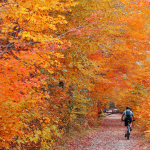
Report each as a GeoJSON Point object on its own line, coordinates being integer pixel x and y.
{"type": "Point", "coordinates": [111, 136]}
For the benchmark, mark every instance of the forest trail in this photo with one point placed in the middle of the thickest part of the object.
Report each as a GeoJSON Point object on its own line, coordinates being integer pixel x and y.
{"type": "Point", "coordinates": [111, 136]}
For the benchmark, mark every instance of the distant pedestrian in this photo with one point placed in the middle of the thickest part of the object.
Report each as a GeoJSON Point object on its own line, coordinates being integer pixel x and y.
{"type": "Point", "coordinates": [104, 110]}
{"type": "Point", "coordinates": [107, 109]}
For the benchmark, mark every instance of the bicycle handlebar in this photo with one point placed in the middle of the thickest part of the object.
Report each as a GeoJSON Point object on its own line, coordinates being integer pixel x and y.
{"type": "Point", "coordinates": [132, 120]}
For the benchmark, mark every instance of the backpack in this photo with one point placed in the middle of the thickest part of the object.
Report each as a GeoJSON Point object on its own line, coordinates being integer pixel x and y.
{"type": "Point", "coordinates": [128, 114]}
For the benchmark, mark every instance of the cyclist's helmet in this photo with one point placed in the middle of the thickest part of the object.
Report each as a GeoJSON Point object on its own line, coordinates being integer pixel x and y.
{"type": "Point", "coordinates": [127, 107]}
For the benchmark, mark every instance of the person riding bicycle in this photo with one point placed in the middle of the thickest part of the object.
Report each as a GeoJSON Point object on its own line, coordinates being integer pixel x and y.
{"type": "Point", "coordinates": [128, 117]}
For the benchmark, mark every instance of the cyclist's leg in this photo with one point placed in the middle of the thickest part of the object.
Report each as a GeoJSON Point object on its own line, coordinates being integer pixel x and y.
{"type": "Point", "coordinates": [131, 124]}
{"type": "Point", "coordinates": [125, 129]}
{"type": "Point", "coordinates": [126, 124]}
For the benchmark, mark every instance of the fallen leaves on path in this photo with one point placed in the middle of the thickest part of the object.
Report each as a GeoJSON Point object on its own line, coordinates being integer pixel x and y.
{"type": "Point", "coordinates": [109, 137]}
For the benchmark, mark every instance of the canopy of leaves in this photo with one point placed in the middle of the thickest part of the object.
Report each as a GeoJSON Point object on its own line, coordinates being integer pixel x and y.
{"type": "Point", "coordinates": [62, 61]}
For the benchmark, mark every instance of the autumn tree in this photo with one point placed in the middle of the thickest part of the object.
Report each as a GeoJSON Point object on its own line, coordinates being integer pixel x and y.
{"type": "Point", "coordinates": [28, 59]}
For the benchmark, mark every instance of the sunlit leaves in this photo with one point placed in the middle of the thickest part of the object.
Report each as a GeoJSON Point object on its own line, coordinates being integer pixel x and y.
{"type": "Point", "coordinates": [61, 61]}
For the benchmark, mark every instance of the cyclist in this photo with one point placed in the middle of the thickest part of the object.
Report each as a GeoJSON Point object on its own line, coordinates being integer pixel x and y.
{"type": "Point", "coordinates": [128, 116]}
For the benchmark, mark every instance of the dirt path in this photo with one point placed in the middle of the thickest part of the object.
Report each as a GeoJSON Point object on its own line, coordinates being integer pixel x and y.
{"type": "Point", "coordinates": [109, 137]}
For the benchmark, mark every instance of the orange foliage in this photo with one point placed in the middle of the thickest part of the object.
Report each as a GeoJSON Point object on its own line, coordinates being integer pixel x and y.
{"type": "Point", "coordinates": [59, 66]}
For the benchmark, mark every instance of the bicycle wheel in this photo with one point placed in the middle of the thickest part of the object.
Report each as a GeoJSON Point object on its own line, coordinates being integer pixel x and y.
{"type": "Point", "coordinates": [128, 136]}
{"type": "Point", "coordinates": [128, 133]}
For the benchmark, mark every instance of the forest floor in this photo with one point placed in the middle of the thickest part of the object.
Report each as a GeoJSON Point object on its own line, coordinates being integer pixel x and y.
{"type": "Point", "coordinates": [111, 136]}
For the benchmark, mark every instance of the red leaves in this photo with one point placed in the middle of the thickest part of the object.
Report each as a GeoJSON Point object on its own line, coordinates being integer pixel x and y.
{"type": "Point", "coordinates": [94, 15]}
{"type": "Point", "coordinates": [95, 56]}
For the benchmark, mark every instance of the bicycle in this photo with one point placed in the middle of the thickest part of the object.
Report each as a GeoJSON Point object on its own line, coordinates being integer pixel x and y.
{"type": "Point", "coordinates": [128, 129]}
